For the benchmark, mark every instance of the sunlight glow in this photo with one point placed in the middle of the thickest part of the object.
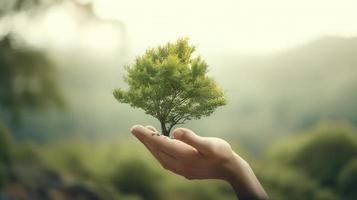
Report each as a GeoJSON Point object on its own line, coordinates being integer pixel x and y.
{"type": "Point", "coordinates": [232, 25]}
{"type": "Point", "coordinates": [228, 26]}
{"type": "Point", "coordinates": [65, 27]}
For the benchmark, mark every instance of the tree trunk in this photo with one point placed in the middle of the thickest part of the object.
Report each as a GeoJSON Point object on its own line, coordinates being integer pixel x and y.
{"type": "Point", "coordinates": [164, 130]}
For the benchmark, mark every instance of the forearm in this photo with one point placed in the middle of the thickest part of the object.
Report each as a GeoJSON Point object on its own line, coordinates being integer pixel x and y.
{"type": "Point", "coordinates": [244, 182]}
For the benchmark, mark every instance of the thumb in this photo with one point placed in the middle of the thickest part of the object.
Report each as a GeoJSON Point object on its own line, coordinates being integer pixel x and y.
{"type": "Point", "coordinates": [189, 137]}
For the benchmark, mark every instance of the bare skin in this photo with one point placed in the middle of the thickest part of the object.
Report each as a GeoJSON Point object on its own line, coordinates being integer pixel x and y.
{"type": "Point", "coordinates": [196, 157]}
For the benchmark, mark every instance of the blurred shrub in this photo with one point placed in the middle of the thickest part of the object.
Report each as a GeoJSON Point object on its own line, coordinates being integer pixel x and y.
{"type": "Point", "coordinates": [136, 177]}
{"type": "Point", "coordinates": [283, 183]}
{"type": "Point", "coordinates": [26, 153]}
{"type": "Point", "coordinates": [347, 180]}
{"type": "Point", "coordinates": [5, 144]}
{"type": "Point", "coordinates": [28, 79]}
{"type": "Point", "coordinates": [69, 157]}
{"type": "Point", "coordinates": [326, 152]}
{"type": "Point", "coordinates": [74, 164]}
{"type": "Point", "coordinates": [131, 197]}
{"type": "Point", "coordinates": [2, 175]}
{"type": "Point", "coordinates": [313, 164]}
{"type": "Point", "coordinates": [204, 190]}
{"type": "Point", "coordinates": [326, 194]}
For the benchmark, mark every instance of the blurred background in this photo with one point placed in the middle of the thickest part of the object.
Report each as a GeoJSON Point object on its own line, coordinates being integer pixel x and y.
{"type": "Point", "coordinates": [289, 69]}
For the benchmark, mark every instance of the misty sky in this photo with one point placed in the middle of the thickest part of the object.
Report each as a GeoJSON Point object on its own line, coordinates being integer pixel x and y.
{"type": "Point", "coordinates": [242, 26]}
{"type": "Point", "coordinates": [224, 26]}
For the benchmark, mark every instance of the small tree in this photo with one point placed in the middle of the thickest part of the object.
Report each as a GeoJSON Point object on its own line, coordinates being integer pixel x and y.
{"type": "Point", "coordinates": [172, 85]}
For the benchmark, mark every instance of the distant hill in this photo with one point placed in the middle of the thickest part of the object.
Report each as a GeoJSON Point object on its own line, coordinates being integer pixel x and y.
{"type": "Point", "coordinates": [295, 88]}
{"type": "Point", "coordinates": [269, 95]}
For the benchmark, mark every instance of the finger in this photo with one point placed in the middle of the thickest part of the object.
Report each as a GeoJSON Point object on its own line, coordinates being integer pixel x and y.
{"type": "Point", "coordinates": [142, 133]}
{"type": "Point", "coordinates": [181, 168]}
{"type": "Point", "coordinates": [148, 136]}
{"type": "Point", "coordinates": [155, 152]}
{"type": "Point", "coordinates": [151, 128]}
{"type": "Point", "coordinates": [141, 139]}
{"type": "Point", "coordinates": [168, 162]}
{"type": "Point", "coordinates": [163, 160]}
{"type": "Point", "coordinates": [173, 147]}
{"type": "Point", "coordinates": [189, 137]}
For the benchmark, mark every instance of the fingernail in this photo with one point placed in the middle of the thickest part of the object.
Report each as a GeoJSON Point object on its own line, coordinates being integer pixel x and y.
{"type": "Point", "coordinates": [135, 127]}
{"type": "Point", "coordinates": [178, 133]}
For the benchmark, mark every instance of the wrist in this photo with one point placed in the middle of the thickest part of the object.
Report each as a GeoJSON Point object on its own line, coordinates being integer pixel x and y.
{"type": "Point", "coordinates": [234, 169]}
{"type": "Point", "coordinates": [242, 179]}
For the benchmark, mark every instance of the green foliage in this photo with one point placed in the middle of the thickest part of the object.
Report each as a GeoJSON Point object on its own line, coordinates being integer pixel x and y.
{"type": "Point", "coordinates": [325, 154]}
{"type": "Point", "coordinates": [5, 145]}
{"type": "Point", "coordinates": [136, 177]}
{"type": "Point", "coordinates": [10, 6]}
{"type": "Point", "coordinates": [26, 153]}
{"type": "Point", "coordinates": [326, 194]}
{"type": "Point", "coordinates": [170, 84]}
{"type": "Point", "coordinates": [27, 78]}
{"type": "Point", "coordinates": [283, 183]}
{"type": "Point", "coordinates": [204, 190]}
{"type": "Point", "coordinates": [125, 167]}
{"type": "Point", "coordinates": [347, 180]}
{"type": "Point", "coordinates": [2, 175]}
{"type": "Point", "coordinates": [70, 158]}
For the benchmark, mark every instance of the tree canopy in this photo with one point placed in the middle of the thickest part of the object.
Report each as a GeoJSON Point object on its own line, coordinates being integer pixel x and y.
{"type": "Point", "coordinates": [172, 85]}
{"type": "Point", "coordinates": [27, 79]}
{"type": "Point", "coordinates": [316, 164]}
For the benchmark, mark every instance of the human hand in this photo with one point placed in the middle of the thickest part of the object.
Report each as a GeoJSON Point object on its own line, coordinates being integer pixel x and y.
{"type": "Point", "coordinates": [187, 154]}
{"type": "Point", "coordinates": [195, 157]}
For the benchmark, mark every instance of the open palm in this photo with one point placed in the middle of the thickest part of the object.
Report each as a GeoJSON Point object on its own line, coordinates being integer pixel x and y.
{"type": "Point", "coordinates": [187, 154]}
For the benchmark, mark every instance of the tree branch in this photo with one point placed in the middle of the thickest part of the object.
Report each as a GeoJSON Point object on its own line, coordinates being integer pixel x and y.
{"type": "Point", "coordinates": [171, 102]}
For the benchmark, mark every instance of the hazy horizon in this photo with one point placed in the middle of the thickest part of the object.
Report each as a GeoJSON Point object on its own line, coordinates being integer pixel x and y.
{"type": "Point", "coordinates": [240, 27]}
